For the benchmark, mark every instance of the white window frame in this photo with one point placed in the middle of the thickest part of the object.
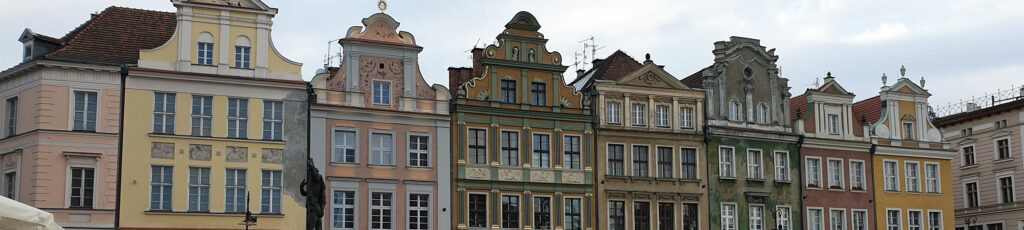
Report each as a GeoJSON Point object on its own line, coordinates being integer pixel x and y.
{"type": "Point", "coordinates": [639, 117]}
{"type": "Point", "coordinates": [999, 187]}
{"type": "Point", "coordinates": [854, 183]}
{"type": "Point", "coordinates": [782, 170]}
{"type": "Point", "coordinates": [974, 155]}
{"type": "Point", "coordinates": [271, 188]}
{"type": "Point", "coordinates": [788, 218]}
{"type": "Point", "coordinates": [686, 117]}
{"type": "Point", "coordinates": [751, 218]}
{"type": "Point", "coordinates": [382, 208]}
{"type": "Point", "coordinates": [896, 176]}
{"type": "Point", "coordinates": [899, 219]}
{"type": "Point", "coordinates": [938, 177]}
{"type": "Point", "coordinates": [95, 182]}
{"type": "Point", "coordinates": [696, 162]}
{"type": "Point", "coordinates": [534, 153]}
{"type": "Point", "coordinates": [354, 146]}
{"type": "Point", "coordinates": [11, 115]}
{"type": "Point", "coordinates": [487, 147]}
{"type": "Point", "coordinates": [27, 50]}
{"type": "Point", "coordinates": [206, 59]}
{"type": "Point", "coordinates": [192, 114]}
{"type": "Point", "coordinates": [735, 110]}
{"type": "Point", "coordinates": [241, 122]}
{"type": "Point", "coordinates": [821, 220]}
{"type": "Point", "coordinates": [755, 164]}
{"type": "Point", "coordinates": [995, 148]}
{"type": "Point", "coordinates": [380, 150]}
{"type": "Point", "coordinates": [731, 163]}
{"type": "Point", "coordinates": [354, 189]}
{"type": "Point", "coordinates": [429, 151]}
{"type": "Point", "coordinates": [929, 221]}
{"type": "Point", "coordinates": [763, 114]}
{"type": "Point", "coordinates": [374, 92]}
{"type": "Point", "coordinates": [243, 59]}
{"type": "Point", "coordinates": [164, 115]}
{"type": "Point", "coordinates": [903, 129]}
{"type": "Point", "coordinates": [831, 177]}
{"type": "Point", "coordinates": [626, 163]}
{"type": "Point", "coordinates": [565, 161]}
{"type": "Point", "coordinates": [269, 119]}
{"type": "Point", "coordinates": [908, 178]}
{"type": "Point", "coordinates": [663, 117]}
{"type": "Point", "coordinates": [13, 182]}
{"type": "Point", "coordinates": [243, 187]}
{"type": "Point", "coordinates": [843, 223]}
{"type": "Point", "coordinates": [613, 113]}
{"type": "Point", "coordinates": [151, 184]}
{"type": "Point", "coordinates": [732, 217]}
{"type": "Point", "coordinates": [633, 158]}
{"type": "Point", "coordinates": [409, 208]}
{"type": "Point", "coordinates": [922, 223]}
{"type": "Point", "coordinates": [808, 171]}
{"type": "Point", "coordinates": [71, 105]}
{"type": "Point", "coordinates": [853, 221]}
{"type": "Point", "coordinates": [977, 192]}
{"type": "Point", "coordinates": [657, 161]}
{"type": "Point", "coordinates": [518, 145]}
{"type": "Point", "coordinates": [833, 124]}
{"type": "Point", "coordinates": [199, 204]}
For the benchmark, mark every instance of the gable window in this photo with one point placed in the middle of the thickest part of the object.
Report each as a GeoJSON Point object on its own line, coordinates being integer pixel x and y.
{"type": "Point", "coordinates": [234, 190]}
{"type": "Point", "coordinates": [541, 150]}
{"type": "Point", "coordinates": [931, 178]}
{"type": "Point", "coordinates": [509, 148]}
{"type": "Point", "coordinates": [572, 152]}
{"type": "Point", "coordinates": [573, 215]}
{"type": "Point", "coordinates": [1003, 149]}
{"type": "Point", "coordinates": [381, 93]}
{"type": "Point", "coordinates": [344, 146]}
{"type": "Point", "coordinates": [542, 212]}
{"type": "Point", "coordinates": [725, 163]}
{"type": "Point", "coordinates": [639, 117]}
{"type": "Point", "coordinates": [238, 117]}
{"type": "Point", "coordinates": [85, 111]}
{"type": "Point", "coordinates": [538, 93]}
{"type": "Point", "coordinates": [728, 217]}
{"type": "Point", "coordinates": [640, 161]}
{"type": "Point", "coordinates": [968, 155]}
{"type": "Point", "coordinates": [509, 211]}
{"type": "Point", "coordinates": [641, 215]}
{"type": "Point", "coordinates": [615, 160]}
{"type": "Point", "coordinates": [837, 219]}
{"type": "Point", "coordinates": [199, 189]}
{"type": "Point", "coordinates": [857, 181]}
{"type": "Point", "coordinates": [782, 166]}
{"type": "Point", "coordinates": [205, 53]}
{"type": "Point", "coordinates": [160, 191]}
{"type": "Point", "coordinates": [273, 120]}
{"type": "Point", "coordinates": [343, 207]}
{"type": "Point", "coordinates": [82, 181]}
{"type": "Point", "coordinates": [835, 174]}
{"type": "Point", "coordinates": [833, 124]}
{"type": "Point", "coordinates": [12, 117]}
{"type": "Point", "coordinates": [664, 162]}
{"type": "Point", "coordinates": [971, 191]}
{"type": "Point", "coordinates": [762, 114]}
{"type": "Point", "coordinates": [688, 157]}
{"type": "Point", "coordinates": [381, 149]}
{"type": "Point", "coordinates": [613, 112]}
{"type": "Point", "coordinates": [913, 176]}
{"type": "Point", "coordinates": [163, 113]}
{"type": "Point", "coordinates": [419, 151]}
{"type": "Point", "coordinates": [908, 130]}
{"type": "Point", "coordinates": [477, 141]}
{"type": "Point", "coordinates": [754, 169]}
{"type": "Point", "coordinates": [892, 220]}
{"type": "Point", "coordinates": [270, 190]}
{"type": "Point", "coordinates": [890, 171]}
{"type": "Point", "coordinates": [477, 210]}
{"type": "Point", "coordinates": [508, 91]}
{"type": "Point", "coordinates": [813, 173]}
{"type": "Point", "coordinates": [381, 210]}
{"type": "Point", "coordinates": [202, 115]}
{"type": "Point", "coordinates": [686, 118]}
{"type": "Point", "coordinates": [1006, 195]}
{"type": "Point", "coordinates": [616, 215]}
{"type": "Point", "coordinates": [661, 112]}
{"type": "Point", "coordinates": [735, 110]}
{"type": "Point", "coordinates": [242, 45]}
{"type": "Point", "coordinates": [27, 52]}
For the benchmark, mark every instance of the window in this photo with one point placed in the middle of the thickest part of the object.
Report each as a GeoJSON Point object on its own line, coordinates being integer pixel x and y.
{"type": "Point", "coordinates": [234, 190]}
{"type": "Point", "coordinates": [477, 146]}
{"type": "Point", "coordinates": [664, 162]}
{"type": "Point", "coordinates": [273, 120]}
{"type": "Point", "coordinates": [615, 160]}
{"type": "Point", "coordinates": [995, 226]}
{"type": "Point", "coordinates": [735, 112]}
{"type": "Point", "coordinates": [688, 157]}
{"type": "Point", "coordinates": [538, 93]}
{"type": "Point", "coordinates": [756, 217]}
{"type": "Point", "coordinates": [661, 112]}
{"type": "Point", "coordinates": [541, 151]}
{"type": "Point", "coordinates": [813, 173]}
{"type": "Point", "coordinates": [1006, 195]}
{"type": "Point", "coordinates": [690, 217]}
{"type": "Point", "coordinates": [381, 93]}
{"type": "Point", "coordinates": [908, 130]}
{"type": "Point", "coordinates": [728, 217]}
{"type": "Point", "coordinates": [935, 220]}
{"type": "Point", "coordinates": [82, 180]}
{"type": "Point", "coordinates": [833, 124]}
{"type": "Point", "coordinates": [639, 119]}
{"type": "Point", "coordinates": [1003, 149]}
{"type": "Point", "coordinates": [857, 181]}
{"type": "Point", "coordinates": [971, 189]}
{"type": "Point", "coordinates": [508, 91]}
{"type": "Point", "coordinates": [754, 170]}
{"type": "Point", "coordinates": [161, 182]}
{"type": "Point", "coordinates": [815, 219]}
{"type": "Point", "coordinates": [640, 161]}
{"type": "Point", "coordinates": [542, 212]}
{"type": "Point", "coordinates": [666, 216]}
{"type": "Point", "coordinates": [85, 111]}
{"type": "Point", "coordinates": [968, 156]}
{"type": "Point", "coordinates": [913, 171]}
{"type": "Point", "coordinates": [381, 150]}
{"type": "Point", "coordinates": [613, 112]}
{"type": "Point", "coordinates": [892, 220]}
{"type": "Point", "coordinates": [238, 117]}
{"type": "Point", "coordinates": [509, 148]}
{"type": "Point", "coordinates": [835, 174]}
{"type": "Point", "coordinates": [242, 57]}
{"type": "Point", "coordinates": [343, 208]}
{"type": "Point", "coordinates": [163, 113]}
{"type": "Point", "coordinates": [616, 215]}
{"type": "Point", "coordinates": [205, 53]}
{"type": "Point", "coordinates": [11, 185]}
{"type": "Point", "coordinates": [837, 219]}
{"type": "Point", "coordinates": [890, 171]}
{"type": "Point", "coordinates": [725, 163]}
{"type": "Point", "coordinates": [913, 220]}
{"type": "Point", "coordinates": [782, 214]}
{"type": "Point", "coordinates": [931, 178]}
{"type": "Point", "coordinates": [478, 210]}
{"type": "Point", "coordinates": [573, 214]}
{"type": "Point", "coordinates": [686, 118]}
{"type": "Point", "coordinates": [419, 211]}
{"type": "Point", "coordinates": [860, 219]}
{"type": "Point", "coordinates": [344, 146]}
{"type": "Point", "coordinates": [27, 52]}
{"type": "Point", "coordinates": [641, 215]}
{"type": "Point", "coordinates": [782, 166]}
{"type": "Point", "coordinates": [202, 115]}
{"type": "Point", "coordinates": [509, 211]}
{"type": "Point", "coordinates": [572, 152]}
{"type": "Point", "coordinates": [12, 117]}
{"type": "Point", "coordinates": [762, 114]}
{"type": "Point", "coordinates": [419, 151]}
{"type": "Point", "coordinates": [199, 189]}
{"type": "Point", "coordinates": [380, 210]}
{"type": "Point", "coordinates": [270, 191]}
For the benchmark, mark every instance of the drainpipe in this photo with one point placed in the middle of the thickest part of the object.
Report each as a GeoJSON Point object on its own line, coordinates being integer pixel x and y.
{"type": "Point", "coordinates": [800, 167]}
{"type": "Point", "coordinates": [874, 202]}
{"type": "Point", "coordinates": [120, 147]}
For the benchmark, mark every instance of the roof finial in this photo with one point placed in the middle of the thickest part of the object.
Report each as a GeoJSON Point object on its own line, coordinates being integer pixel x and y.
{"type": "Point", "coordinates": [903, 71]}
{"type": "Point", "coordinates": [884, 78]}
{"type": "Point", "coordinates": [382, 6]}
{"type": "Point", "coordinates": [922, 81]}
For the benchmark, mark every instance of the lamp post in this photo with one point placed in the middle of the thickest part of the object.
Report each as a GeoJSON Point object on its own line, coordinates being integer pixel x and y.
{"type": "Point", "coordinates": [970, 221]}
{"type": "Point", "coordinates": [249, 220]}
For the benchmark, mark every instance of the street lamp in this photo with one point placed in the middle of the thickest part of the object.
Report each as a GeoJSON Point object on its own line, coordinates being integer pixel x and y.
{"type": "Point", "coordinates": [249, 220]}
{"type": "Point", "coordinates": [970, 221]}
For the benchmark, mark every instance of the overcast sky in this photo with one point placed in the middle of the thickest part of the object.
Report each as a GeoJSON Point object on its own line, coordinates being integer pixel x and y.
{"type": "Point", "coordinates": [962, 48]}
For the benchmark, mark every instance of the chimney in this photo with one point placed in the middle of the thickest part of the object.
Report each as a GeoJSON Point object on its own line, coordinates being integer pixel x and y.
{"type": "Point", "coordinates": [596, 62]}
{"type": "Point", "coordinates": [971, 106]}
{"type": "Point", "coordinates": [579, 72]}
{"type": "Point", "coordinates": [478, 53]}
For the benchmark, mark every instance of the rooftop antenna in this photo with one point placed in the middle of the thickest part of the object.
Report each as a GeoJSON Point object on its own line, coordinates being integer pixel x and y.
{"type": "Point", "coordinates": [577, 61]}
{"type": "Point", "coordinates": [593, 48]}
{"type": "Point", "coordinates": [328, 57]}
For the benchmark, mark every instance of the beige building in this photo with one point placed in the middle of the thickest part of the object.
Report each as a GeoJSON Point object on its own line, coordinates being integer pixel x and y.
{"type": "Point", "coordinates": [650, 149]}
{"type": "Point", "coordinates": [988, 171]}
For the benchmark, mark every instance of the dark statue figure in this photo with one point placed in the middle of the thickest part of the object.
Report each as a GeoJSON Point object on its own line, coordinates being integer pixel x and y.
{"type": "Point", "coordinates": [313, 188]}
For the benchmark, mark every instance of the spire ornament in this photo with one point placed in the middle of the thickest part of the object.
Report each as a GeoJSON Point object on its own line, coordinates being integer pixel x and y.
{"type": "Point", "coordinates": [884, 78]}
{"type": "Point", "coordinates": [382, 6]}
{"type": "Point", "coordinates": [903, 70]}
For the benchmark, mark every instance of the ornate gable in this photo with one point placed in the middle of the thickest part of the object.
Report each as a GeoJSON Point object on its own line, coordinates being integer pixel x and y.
{"type": "Point", "coordinates": [380, 27]}
{"type": "Point", "coordinates": [651, 75]}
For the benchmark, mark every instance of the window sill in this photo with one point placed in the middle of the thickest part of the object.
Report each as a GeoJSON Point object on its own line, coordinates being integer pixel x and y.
{"type": "Point", "coordinates": [934, 193]}
{"type": "Point", "coordinates": [837, 189]}
{"type": "Point", "coordinates": [814, 188]}
{"type": "Point", "coordinates": [915, 193]}
{"type": "Point", "coordinates": [783, 181]}
{"type": "Point", "coordinates": [969, 166]}
{"type": "Point", "coordinates": [1003, 160]}
{"type": "Point", "coordinates": [419, 167]}
{"type": "Point", "coordinates": [383, 166]}
{"type": "Point", "coordinates": [891, 191]}
{"type": "Point", "coordinates": [215, 138]}
{"type": "Point", "coordinates": [759, 180]}
{"type": "Point", "coordinates": [192, 213]}
{"type": "Point", "coordinates": [858, 190]}
{"type": "Point", "coordinates": [727, 178]}
{"type": "Point", "coordinates": [346, 164]}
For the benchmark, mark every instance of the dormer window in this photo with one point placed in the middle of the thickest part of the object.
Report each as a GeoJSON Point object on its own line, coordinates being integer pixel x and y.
{"type": "Point", "coordinates": [833, 124]}
{"type": "Point", "coordinates": [28, 51]}
{"type": "Point", "coordinates": [734, 110]}
{"type": "Point", "coordinates": [204, 49]}
{"type": "Point", "coordinates": [908, 130]}
{"type": "Point", "coordinates": [242, 50]}
{"type": "Point", "coordinates": [762, 113]}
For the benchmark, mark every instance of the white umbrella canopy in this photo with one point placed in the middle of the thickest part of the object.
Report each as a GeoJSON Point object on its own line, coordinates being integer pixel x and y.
{"type": "Point", "coordinates": [17, 216]}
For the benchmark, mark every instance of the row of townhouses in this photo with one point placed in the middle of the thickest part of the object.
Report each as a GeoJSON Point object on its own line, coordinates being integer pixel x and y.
{"type": "Point", "coordinates": [141, 119]}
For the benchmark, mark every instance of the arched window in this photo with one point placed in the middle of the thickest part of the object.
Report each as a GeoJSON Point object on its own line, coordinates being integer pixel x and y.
{"type": "Point", "coordinates": [735, 110]}
{"type": "Point", "coordinates": [204, 49]}
{"type": "Point", "coordinates": [762, 113]}
{"type": "Point", "coordinates": [242, 50]}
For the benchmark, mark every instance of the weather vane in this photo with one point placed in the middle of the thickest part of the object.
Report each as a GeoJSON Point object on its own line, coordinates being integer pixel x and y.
{"type": "Point", "coordinates": [382, 6]}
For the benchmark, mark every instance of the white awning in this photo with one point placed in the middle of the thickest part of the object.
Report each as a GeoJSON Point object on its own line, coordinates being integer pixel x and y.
{"type": "Point", "coordinates": [15, 215]}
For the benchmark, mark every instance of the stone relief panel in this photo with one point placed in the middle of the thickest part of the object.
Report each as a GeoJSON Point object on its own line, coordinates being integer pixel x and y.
{"type": "Point", "coordinates": [162, 150]}
{"type": "Point", "coordinates": [199, 152]}
{"type": "Point", "coordinates": [572, 177]}
{"type": "Point", "coordinates": [510, 174]}
{"type": "Point", "coordinates": [478, 173]}
{"type": "Point", "coordinates": [237, 154]}
{"type": "Point", "coordinates": [542, 176]}
{"type": "Point", "coordinates": [389, 70]}
{"type": "Point", "coordinates": [273, 156]}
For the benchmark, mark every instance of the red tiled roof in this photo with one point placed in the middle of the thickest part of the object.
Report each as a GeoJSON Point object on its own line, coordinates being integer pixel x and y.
{"type": "Point", "coordinates": [797, 105]}
{"type": "Point", "coordinates": [870, 109]}
{"type": "Point", "coordinates": [115, 36]}
{"type": "Point", "coordinates": [614, 67]}
{"type": "Point", "coordinates": [695, 80]}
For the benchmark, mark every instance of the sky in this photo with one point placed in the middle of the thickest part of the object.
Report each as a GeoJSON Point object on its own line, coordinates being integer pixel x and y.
{"type": "Point", "coordinates": [963, 48]}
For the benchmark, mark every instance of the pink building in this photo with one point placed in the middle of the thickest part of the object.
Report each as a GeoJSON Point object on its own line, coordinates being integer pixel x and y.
{"type": "Point", "coordinates": [60, 106]}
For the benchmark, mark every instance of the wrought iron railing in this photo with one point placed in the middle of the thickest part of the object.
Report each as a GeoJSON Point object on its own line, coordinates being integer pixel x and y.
{"type": "Point", "coordinates": [980, 102]}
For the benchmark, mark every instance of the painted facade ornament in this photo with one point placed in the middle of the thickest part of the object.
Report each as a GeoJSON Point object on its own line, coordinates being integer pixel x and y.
{"type": "Point", "coordinates": [566, 103]}
{"type": "Point", "coordinates": [483, 95]}
{"type": "Point", "coordinates": [531, 56]}
{"type": "Point", "coordinates": [461, 93]}
{"type": "Point", "coordinates": [649, 78]}
{"type": "Point", "coordinates": [382, 6]}
{"type": "Point", "coordinates": [515, 53]}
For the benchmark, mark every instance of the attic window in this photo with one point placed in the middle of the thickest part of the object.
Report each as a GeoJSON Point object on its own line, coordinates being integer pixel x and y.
{"type": "Point", "coordinates": [28, 51]}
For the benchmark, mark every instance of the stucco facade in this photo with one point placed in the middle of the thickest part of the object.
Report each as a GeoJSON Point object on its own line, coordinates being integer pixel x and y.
{"type": "Point", "coordinates": [382, 134]}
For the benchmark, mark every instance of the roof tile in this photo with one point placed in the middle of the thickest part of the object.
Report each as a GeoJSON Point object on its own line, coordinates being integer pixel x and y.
{"type": "Point", "coordinates": [115, 36]}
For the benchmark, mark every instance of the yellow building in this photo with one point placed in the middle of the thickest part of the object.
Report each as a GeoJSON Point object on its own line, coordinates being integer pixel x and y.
{"type": "Point", "coordinates": [212, 116]}
{"type": "Point", "coordinates": [911, 162]}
